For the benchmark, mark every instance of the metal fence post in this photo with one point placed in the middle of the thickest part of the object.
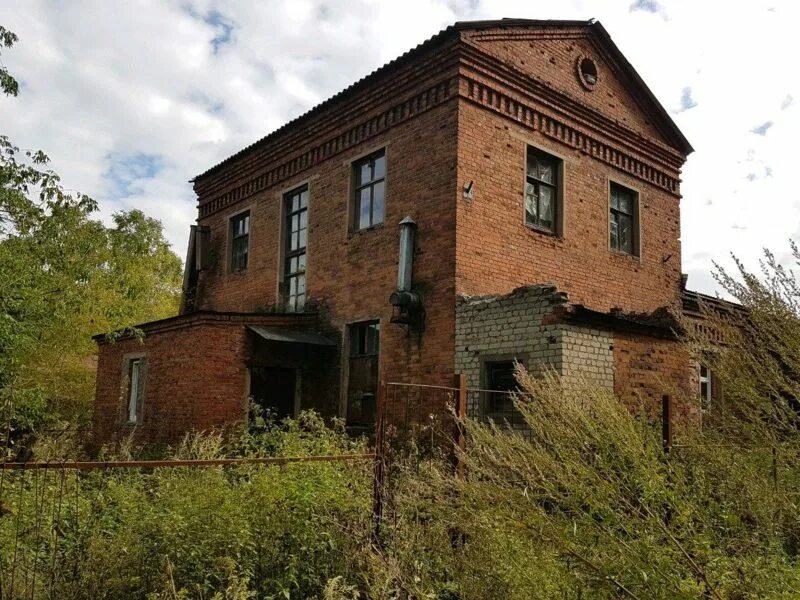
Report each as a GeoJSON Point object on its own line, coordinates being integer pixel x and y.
{"type": "Point", "coordinates": [379, 465]}
{"type": "Point", "coordinates": [666, 423]}
{"type": "Point", "coordinates": [460, 445]}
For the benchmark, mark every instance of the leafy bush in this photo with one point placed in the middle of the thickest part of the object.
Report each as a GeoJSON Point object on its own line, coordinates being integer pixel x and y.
{"type": "Point", "coordinates": [220, 532]}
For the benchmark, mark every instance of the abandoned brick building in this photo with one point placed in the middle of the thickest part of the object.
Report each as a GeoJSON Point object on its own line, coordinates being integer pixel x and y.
{"type": "Point", "coordinates": [508, 190]}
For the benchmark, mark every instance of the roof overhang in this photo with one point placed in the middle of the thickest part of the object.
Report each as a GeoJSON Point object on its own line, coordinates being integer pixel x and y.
{"type": "Point", "coordinates": [291, 336]}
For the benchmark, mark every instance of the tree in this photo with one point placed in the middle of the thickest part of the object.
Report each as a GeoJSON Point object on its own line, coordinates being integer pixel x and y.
{"type": "Point", "coordinates": [65, 276]}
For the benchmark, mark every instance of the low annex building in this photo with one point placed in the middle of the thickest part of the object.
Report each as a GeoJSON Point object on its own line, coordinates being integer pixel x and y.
{"type": "Point", "coordinates": [506, 191]}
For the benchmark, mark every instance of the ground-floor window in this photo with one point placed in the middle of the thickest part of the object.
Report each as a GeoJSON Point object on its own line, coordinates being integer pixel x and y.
{"type": "Point", "coordinates": [135, 389]}
{"type": "Point", "coordinates": [499, 381]}
{"type": "Point", "coordinates": [709, 387]}
{"type": "Point", "coordinates": [362, 380]}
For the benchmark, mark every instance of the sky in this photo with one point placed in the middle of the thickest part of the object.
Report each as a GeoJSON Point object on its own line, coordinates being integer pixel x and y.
{"type": "Point", "coordinates": [131, 99]}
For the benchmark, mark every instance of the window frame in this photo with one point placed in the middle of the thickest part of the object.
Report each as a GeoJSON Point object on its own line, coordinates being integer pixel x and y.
{"type": "Point", "coordinates": [348, 340]}
{"type": "Point", "coordinates": [287, 254]}
{"type": "Point", "coordinates": [354, 225]}
{"type": "Point", "coordinates": [247, 213]}
{"type": "Point", "coordinates": [486, 363]}
{"type": "Point", "coordinates": [706, 398]}
{"type": "Point", "coordinates": [634, 215]}
{"type": "Point", "coordinates": [557, 187]}
{"type": "Point", "coordinates": [127, 390]}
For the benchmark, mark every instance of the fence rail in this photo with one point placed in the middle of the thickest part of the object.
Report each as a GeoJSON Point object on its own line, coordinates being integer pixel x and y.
{"type": "Point", "coordinates": [161, 464]}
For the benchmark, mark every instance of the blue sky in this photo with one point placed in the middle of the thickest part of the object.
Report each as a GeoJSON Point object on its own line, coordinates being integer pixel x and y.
{"type": "Point", "coordinates": [132, 99]}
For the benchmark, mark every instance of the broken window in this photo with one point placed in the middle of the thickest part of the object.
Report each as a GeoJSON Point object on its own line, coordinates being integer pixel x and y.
{"type": "Point", "coordinates": [240, 241]}
{"type": "Point", "coordinates": [362, 385]}
{"type": "Point", "coordinates": [369, 174]}
{"type": "Point", "coordinates": [135, 395]}
{"type": "Point", "coordinates": [296, 234]}
{"type": "Point", "coordinates": [623, 220]}
{"type": "Point", "coordinates": [542, 190]}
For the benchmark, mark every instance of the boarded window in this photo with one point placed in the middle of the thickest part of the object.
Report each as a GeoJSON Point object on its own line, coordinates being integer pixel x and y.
{"type": "Point", "coordinates": [296, 238]}
{"type": "Point", "coordinates": [369, 174]}
{"type": "Point", "coordinates": [240, 241]}
{"type": "Point", "coordinates": [362, 385]}
{"type": "Point", "coordinates": [135, 391]}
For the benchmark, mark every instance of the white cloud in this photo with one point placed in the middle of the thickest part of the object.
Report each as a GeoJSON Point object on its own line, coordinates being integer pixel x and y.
{"type": "Point", "coordinates": [185, 83]}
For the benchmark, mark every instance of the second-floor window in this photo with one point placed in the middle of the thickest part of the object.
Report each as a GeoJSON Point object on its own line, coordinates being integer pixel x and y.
{"type": "Point", "coordinates": [240, 241]}
{"type": "Point", "coordinates": [542, 190]}
{"type": "Point", "coordinates": [296, 238]}
{"type": "Point", "coordinates": [369, 174]}
{"type": "Point", "coordinates": [623, 220]}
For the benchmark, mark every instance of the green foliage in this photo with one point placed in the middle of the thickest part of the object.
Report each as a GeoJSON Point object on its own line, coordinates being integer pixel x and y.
{"type": "Point", "coordinates": [589, 506]}
{"type": "Point", "coordinates": [252, 531]}
{"type": "Point", "coordinates": [64, 277]}
{"type": "Point", "coordinates": [756, 351]}
{"type": "Point", "coordinates": [8, 85]}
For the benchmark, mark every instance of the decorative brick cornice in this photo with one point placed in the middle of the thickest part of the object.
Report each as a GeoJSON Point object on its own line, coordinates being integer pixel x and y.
{"type": "Point", "coordinates": [503, 75]}
{"type": "Point", "coordinates": [485, 80]}
{"type": "Point", "coordinates": [356, 134]}
{"type": "Point", "coordinates": [492, 99]}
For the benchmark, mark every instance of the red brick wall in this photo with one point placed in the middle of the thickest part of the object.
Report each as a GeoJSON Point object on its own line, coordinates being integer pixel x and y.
{"type": "Point", "coordinates": [351, 275]}
{"type": "Point", "coordinates": [195, 380]}
{"type": "Point", "coordinates": [645, 369]}
{"type": "Point", "coordinates": [552, 61]}
{"type": "Point", "coordinates": [535, 97]}
{"type": "Point", "coordinates": [497, 253]}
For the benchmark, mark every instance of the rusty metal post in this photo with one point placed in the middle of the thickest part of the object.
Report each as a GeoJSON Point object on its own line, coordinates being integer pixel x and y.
{"type": "Point", "coordinates": [666, 423]}
{"type": "Point", "coordinates": [379, 465]}
{"type": "Point", "coordinates": [460, 385]}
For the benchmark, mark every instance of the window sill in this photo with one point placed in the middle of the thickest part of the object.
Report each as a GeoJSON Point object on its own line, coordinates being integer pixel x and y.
{"type": "Point", "coordinates": [542, 231]}
{"type": "Point", "coordinates": [236, 273]}
{"type": "Point", "coordinates": [355, 232]}
{"type": "Point", "coordinates": [625, 255]}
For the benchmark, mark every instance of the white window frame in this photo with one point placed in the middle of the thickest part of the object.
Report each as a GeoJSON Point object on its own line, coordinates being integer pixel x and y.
{"type": "Point", "coordinates": [135, 370]}
{"type": "Point", "coordinates": [705, 398]}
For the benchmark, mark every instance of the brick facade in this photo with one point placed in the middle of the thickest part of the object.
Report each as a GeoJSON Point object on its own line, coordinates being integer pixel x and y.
{"type": "Point", "coordinates": [460, 109]}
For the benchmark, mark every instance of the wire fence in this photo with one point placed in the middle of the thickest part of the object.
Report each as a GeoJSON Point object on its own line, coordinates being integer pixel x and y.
{"type": "Point", "coordinates": [49, 510]}
{"type": "Point", "coordinates": [53, 513]}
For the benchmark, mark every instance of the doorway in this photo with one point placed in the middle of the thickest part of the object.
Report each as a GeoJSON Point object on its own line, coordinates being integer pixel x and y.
{"type": "Point", "coordinates": [273, 390]}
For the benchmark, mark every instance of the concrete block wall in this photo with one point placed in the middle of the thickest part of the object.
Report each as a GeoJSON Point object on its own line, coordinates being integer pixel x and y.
{"type": "Point", "coordinates": [588, 353]}
{"type": "Point", "coordinates": [513, 326]}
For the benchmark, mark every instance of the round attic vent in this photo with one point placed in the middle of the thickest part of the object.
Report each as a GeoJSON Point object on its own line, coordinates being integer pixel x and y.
{"type": "Point", "coordinates": [587, 72]}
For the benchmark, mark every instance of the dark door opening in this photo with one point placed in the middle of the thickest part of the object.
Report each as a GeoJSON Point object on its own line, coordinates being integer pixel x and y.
{"type": "Point", "coordinates": [500, 379]}
{"type": "Point", "coordinates": [273, 389]}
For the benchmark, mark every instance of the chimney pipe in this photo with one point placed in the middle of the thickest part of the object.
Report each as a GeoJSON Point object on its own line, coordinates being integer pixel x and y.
{"type": "Point", "coordinates": [405, 266]}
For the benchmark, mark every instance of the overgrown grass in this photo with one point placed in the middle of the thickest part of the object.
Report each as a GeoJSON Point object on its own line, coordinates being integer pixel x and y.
{"type": "Point", "coordinates": [224, 532]}
{"type": "Point", "coordinates": [587, 506]}
{"type": "Point", "coordinates": [590, 507]}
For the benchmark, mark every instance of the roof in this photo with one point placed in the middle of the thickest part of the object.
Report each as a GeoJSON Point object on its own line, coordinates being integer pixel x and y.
{"type": "Point", "coordinates": [198, 317]}
{"type": "Point", "coordinates": [693, 303]}
{"type": "Point", "coordinates": [450, 33]}
{"type": "Point", "coordinates": [277, 334]}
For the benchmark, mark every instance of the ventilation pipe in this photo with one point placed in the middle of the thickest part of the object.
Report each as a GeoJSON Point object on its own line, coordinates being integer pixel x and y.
{"type": "Point", "coordinates": [407, 303]}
